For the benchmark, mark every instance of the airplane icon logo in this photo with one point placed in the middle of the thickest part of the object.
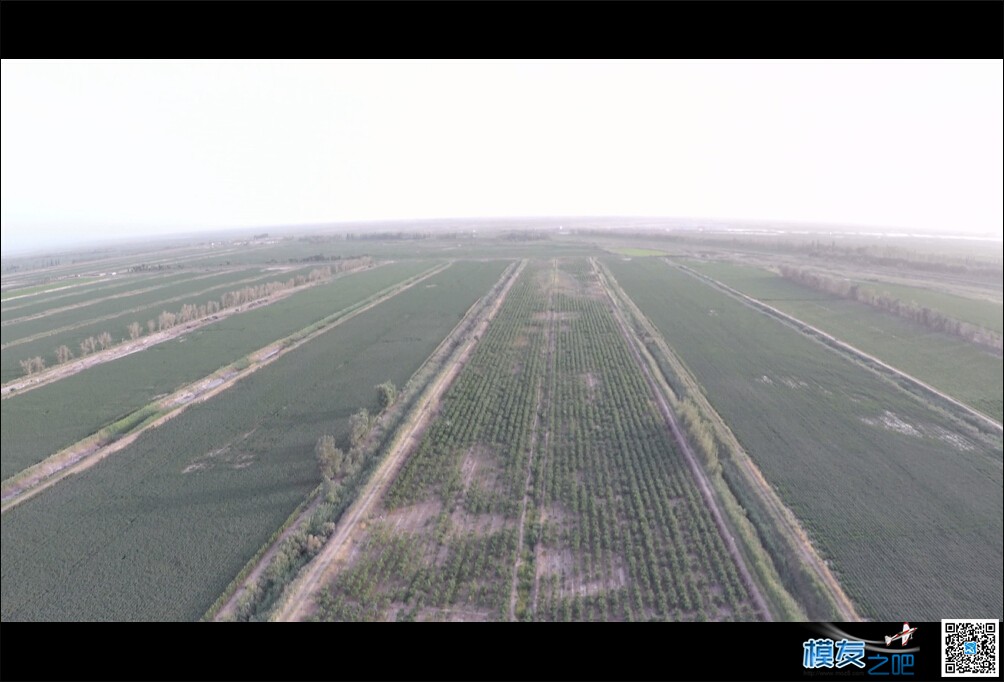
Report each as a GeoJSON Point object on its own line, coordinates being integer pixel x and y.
{"type": "Point", "coordinates": [904, 635]}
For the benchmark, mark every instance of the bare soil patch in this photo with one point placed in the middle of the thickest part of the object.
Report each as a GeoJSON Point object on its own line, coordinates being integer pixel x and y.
{"type": "Point", "coordinates": [453, 615]}
{"type": "Point", "coordinates": [230, 455]}
{"type": "Point", "coordinates": [480, 465]}
{"type": "Point", "coordinates": [414, 519]}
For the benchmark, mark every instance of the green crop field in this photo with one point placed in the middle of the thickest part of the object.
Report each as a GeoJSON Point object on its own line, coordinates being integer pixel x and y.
{"type": "Point", "coordinates": [286, 252]}
{"type": "Point", "coordinates": [544, 483]}
{"type": "Point", "coordinates": [878, 478]}
{"type": "Point", "coordinates": [41, 288]}
{"type": "Point", "coordinates": [984, 313]}
{"type": "Point", "coordinates": [121, 303]}
{"type": "Point", "coordinates": [44, 420]}
{"type": "Point", "coordinates": [553, 409]}
{"type": "Point", "coordinates": [637, 252]}
{"type": "Point", "coordinates": [37, 269]}
{"type": "Point", "coordinates": [969, 373]}
{"type": "Point", "coordinates": [768, 286]}
{"type": "Point", "coordinates": [134, 309]}
{"type": "Point", "coordinates": [114, 316]}
{"type": "Point", "coordinates": [95, 288]}
{"type": "Point", "coordinates": [158, 530]}
{"type": "Point", "coordinates": [88, 295]}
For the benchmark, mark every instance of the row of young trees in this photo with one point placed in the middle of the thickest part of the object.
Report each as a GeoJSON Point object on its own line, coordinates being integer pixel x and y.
{"type": "Point", "coordinates": [166, 320]}
{"type": "Point", "coordinates": [341, 474]}
{"type": "Point", "coordinates": [930, 318]}
{"type": "Point", "coordinates": [297, 549]}
{"type": "Point", "coordinates": [490, 406]}
{"type": "Point", "coordinates": [334, 462]}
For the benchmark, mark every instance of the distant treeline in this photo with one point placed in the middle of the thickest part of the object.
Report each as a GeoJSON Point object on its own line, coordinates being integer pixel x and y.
{"type": "Point", "coordinates": [43, 263]}
{"type": "Point", "coordinates": [385, 236]}
{"type": "Point", "coordinates": [884, 255]}
{"type": "Point", "coordinates": [525, 236]}
{"type": "Point", "coordinates": [930, 318]}
{"type": "Point", "coordinates": [148, 267]}
{"type": "Point", "coordinates": [341, 263]}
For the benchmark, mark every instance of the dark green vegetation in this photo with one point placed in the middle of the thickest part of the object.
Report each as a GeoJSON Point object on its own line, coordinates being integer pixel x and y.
{"type": "Point", "coordinates": [553, 414]}
{"type": "Point", "coordinates": [158, 530]}
{"type": "Point", "coordinates": [878, 478]}
{"type": "Point", "coordinates": [969, 373]}
{"type": "Point", "coordinates": [44, 420]}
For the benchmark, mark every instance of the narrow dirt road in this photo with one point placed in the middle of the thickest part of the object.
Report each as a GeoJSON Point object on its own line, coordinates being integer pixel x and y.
{"type": "Point", "coordinates": [300, 603]}
{"type": "Point", "coordinates": [535, 439]}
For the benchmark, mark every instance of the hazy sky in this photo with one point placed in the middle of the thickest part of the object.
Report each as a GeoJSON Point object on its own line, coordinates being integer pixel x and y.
{"type": "Point", "coordinates": [114, 148]}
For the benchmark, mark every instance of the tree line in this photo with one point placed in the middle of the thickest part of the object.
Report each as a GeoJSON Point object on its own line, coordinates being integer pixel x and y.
{"type": "Point", "coordinates": [335, 463]}
{"type": "Point", "coordinates": [166, 320]}
{"type": "Point", "coordinates": [930, 318]}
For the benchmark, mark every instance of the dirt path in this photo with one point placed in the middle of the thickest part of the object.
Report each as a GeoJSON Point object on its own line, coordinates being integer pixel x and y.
{"type": "Point", "coordinates": [699, 476]}
{"type": "Point", "coordinates": [829, 340]}
{"type": "Point", "coordinates": [57, 372]}
{"type": "Point", "coordinates": [534, 440]}
{"type": "Point", "coordinates": [539, 548]}
{"type": "Point", "coordinates": [86, 453]}
{"type": "Point", "coordinates": [226, 611]}
{"type": "Point", "coordinates": [300, 603]}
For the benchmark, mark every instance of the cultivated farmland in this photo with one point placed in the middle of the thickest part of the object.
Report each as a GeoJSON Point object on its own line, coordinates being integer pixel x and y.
{"type": "Point", "coordinates": [561, 423]}
{"type": "Point", "coordinates": [548, 488]}
{"type": "Point", "coordinates": [43, 421]}
{"type": "Point", "coordinates": [972, 374]}
{"type": "Point", "coordinates": [83, 298]}
{"type": "Point", "coordinates": [158, 530]}
{"type": "Point", "coordinates": [979, 311]}
{"type": "Point", "coordinates": [43, 335]}
{"type": "Point", "coordinates": [57, 316]}
{"type": "Point", "coordinates": [877, 477]}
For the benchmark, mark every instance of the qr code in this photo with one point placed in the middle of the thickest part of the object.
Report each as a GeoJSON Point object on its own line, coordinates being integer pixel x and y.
{"type": "Point", "coordinates": [969, 648]}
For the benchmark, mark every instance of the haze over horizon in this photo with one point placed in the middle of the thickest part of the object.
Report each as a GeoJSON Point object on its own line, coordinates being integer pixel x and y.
{"type": "Point", "coordinates": [110, 149]}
